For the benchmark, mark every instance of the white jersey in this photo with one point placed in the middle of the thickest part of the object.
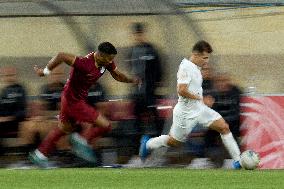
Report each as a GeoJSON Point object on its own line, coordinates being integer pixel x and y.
{"type": "Point", "coordinates": [189, 73]}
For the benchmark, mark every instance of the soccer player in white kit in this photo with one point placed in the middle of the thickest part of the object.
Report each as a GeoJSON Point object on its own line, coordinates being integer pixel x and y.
{"type": "Point", "coordinates": [191, 110]}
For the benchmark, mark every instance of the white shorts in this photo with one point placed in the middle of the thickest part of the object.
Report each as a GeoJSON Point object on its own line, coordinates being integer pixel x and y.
{"type": "Point", "coordinates": [183, 123]}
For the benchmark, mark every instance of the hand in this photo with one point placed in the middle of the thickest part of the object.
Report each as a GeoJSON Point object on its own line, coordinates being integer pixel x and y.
{"type": "Point", "coordinates": [137, 81]}
{"type": "Point", "coordinates": [39, 71]}
{"type": "Point", "coordinates": [208, 100]}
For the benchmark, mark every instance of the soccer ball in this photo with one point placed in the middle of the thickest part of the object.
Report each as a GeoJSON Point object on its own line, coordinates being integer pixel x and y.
{"type": "Point", "coordinates": [249, 159]}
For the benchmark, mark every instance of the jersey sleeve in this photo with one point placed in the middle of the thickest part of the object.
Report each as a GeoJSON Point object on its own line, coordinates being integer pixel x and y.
{"type": "Point", "coordinates": [79, 63]}
{"type": "Point", "coordinates": [111, 66]}
{"type": "Point", "coordinates": [183, 75]}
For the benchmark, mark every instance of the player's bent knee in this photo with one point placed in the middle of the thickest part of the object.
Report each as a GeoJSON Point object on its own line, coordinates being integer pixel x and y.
{"type": "Point", "coordinates": [224, 129]}
{"type": "Point", "coordinates": [220, 126]}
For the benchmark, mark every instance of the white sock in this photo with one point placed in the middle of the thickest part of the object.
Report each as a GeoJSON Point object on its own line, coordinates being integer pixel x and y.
{"type": "Point", "coordinates": [157, 142]}
{"type": "Point", "coordinates": [231, 146]}
{"type": "Point", "coordinates": [40, 155]}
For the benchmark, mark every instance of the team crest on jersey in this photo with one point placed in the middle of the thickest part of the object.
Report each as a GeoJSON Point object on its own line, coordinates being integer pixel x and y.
{"type": "Point", "coordinates": [102, 70]}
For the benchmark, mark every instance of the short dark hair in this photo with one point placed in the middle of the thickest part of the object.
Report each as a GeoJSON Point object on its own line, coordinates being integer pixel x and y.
{"type": "Point", "coordinates": [107, 48]}
{"type": "Point", "coordinates": [202, 46]}
{"type": "Point", "coordinates": [138, 27]}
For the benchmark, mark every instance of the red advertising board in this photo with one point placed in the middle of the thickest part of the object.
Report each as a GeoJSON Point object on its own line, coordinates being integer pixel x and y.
{"type": "Point", "coordinates": [262, 128]}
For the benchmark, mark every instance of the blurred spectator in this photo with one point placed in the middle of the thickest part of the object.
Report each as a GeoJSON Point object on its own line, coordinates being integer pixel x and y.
{"type": "Point", "coordinates": [43, 111]}
{"type": "Point", "coordinates": [36, 126]}
{"type": "Point", "coordinates": [196, 145]}
{"type": "Point", "coordinates": [207, 84]}
{"type": "Point", "coordinates": [12, 103]}
{"type": "Point", "coordinates": [51, 92]}
{"type": "Point", "coordinates": [146, 65]}
{"type": "Point", "coordinates": [227, 103]}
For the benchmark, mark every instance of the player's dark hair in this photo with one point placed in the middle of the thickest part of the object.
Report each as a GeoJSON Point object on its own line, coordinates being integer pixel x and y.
{"type": "Point", "coordinates": [202, 46]}
{"type": "Point", "coordinates": [107, 48]}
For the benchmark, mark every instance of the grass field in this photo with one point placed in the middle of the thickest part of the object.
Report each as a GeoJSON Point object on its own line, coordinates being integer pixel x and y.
{"type": "Point", "coordinates": [141, 178]}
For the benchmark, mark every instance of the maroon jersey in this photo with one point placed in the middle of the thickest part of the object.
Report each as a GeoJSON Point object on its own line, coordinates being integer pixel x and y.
{"type": "Point", "coordinates": [82, 76]}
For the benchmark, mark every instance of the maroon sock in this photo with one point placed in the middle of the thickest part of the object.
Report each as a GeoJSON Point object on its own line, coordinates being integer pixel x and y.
{"type": "Point", "coordinates": [48, 144]}
{"type": "Point", "coordinates": [94, 132]}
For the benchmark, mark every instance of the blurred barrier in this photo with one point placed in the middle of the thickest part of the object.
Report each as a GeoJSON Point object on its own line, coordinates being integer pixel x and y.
{"type": "Point", "coordinates": [262, 128]}
{"type": "Point", "coordinates": [262, 125]}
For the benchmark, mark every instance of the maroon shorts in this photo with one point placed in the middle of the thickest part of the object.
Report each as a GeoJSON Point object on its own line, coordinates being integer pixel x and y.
{"type": "Point", "coordinates": [77, 112]}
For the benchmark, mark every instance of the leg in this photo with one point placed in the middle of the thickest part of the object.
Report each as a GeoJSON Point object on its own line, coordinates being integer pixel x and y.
{"type": "Point", "coordinates": [149, 144]}
{"type": "Point", "coordinates": [39, 156]}
{"type": "Point", "coordinates": [81, 143]}
{"type": "Point", "coordinates": [180, 129]}
{"type": "Point", "coordinates": [213, 147]}
{"type": "Point", "coordinates": [48, 144]}
{"type": "Point", "coordinates": [32, 131]}
{"type": "Point", "coordinates": [214, 120]}
{"type": "Point", "coordinates": [229, 142]}
{"type": "Point", "coordinates": [100, 127]}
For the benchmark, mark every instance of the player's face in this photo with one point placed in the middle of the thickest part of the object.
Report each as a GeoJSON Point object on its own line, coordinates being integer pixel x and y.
{"type": "Point", "coordinates": [103, 59]}
{"type": "Point", "coordinates": [139, 37]}
{"type": "Point", "coordinates": [201, 59]}
{"type": "Point", "coordinates": [222, 83]}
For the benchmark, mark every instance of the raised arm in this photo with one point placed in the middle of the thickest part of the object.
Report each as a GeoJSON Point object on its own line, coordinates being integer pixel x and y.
{"type": "Point", "coordinates": [61, 57]}
{"type": "Point", "coordinates": [118, 76]}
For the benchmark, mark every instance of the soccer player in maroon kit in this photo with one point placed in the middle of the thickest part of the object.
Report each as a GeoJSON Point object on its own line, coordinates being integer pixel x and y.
{"type": "Point", "coordinates": [74, 108]}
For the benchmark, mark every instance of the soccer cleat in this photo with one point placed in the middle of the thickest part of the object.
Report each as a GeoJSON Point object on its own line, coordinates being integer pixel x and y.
{"type": "Point", "coordinates": [143, 151]}
{"type": "Point", "coordinates": [81, 148]}
{"type": "Point", "coordinates": [237, 165]}
{"type": "Point", "coordinates": [37, 160]}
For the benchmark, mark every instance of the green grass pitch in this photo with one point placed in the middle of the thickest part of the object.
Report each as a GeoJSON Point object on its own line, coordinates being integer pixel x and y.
{"type": "Point", "coordinates": [141, 178]}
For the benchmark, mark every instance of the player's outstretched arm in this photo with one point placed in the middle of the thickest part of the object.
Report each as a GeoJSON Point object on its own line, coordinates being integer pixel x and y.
{"type": "Point", "coordinates": [69, 59]}
{"type": "Point", "coordinates": [118, 76]}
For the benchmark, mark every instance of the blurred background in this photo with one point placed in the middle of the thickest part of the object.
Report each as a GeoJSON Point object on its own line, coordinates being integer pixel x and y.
{"type": "Point", "coordinates": [244, 75]}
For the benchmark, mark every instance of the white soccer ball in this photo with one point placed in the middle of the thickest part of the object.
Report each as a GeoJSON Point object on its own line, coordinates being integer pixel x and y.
{"type": "Point", "coordinates": [249, 159]}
